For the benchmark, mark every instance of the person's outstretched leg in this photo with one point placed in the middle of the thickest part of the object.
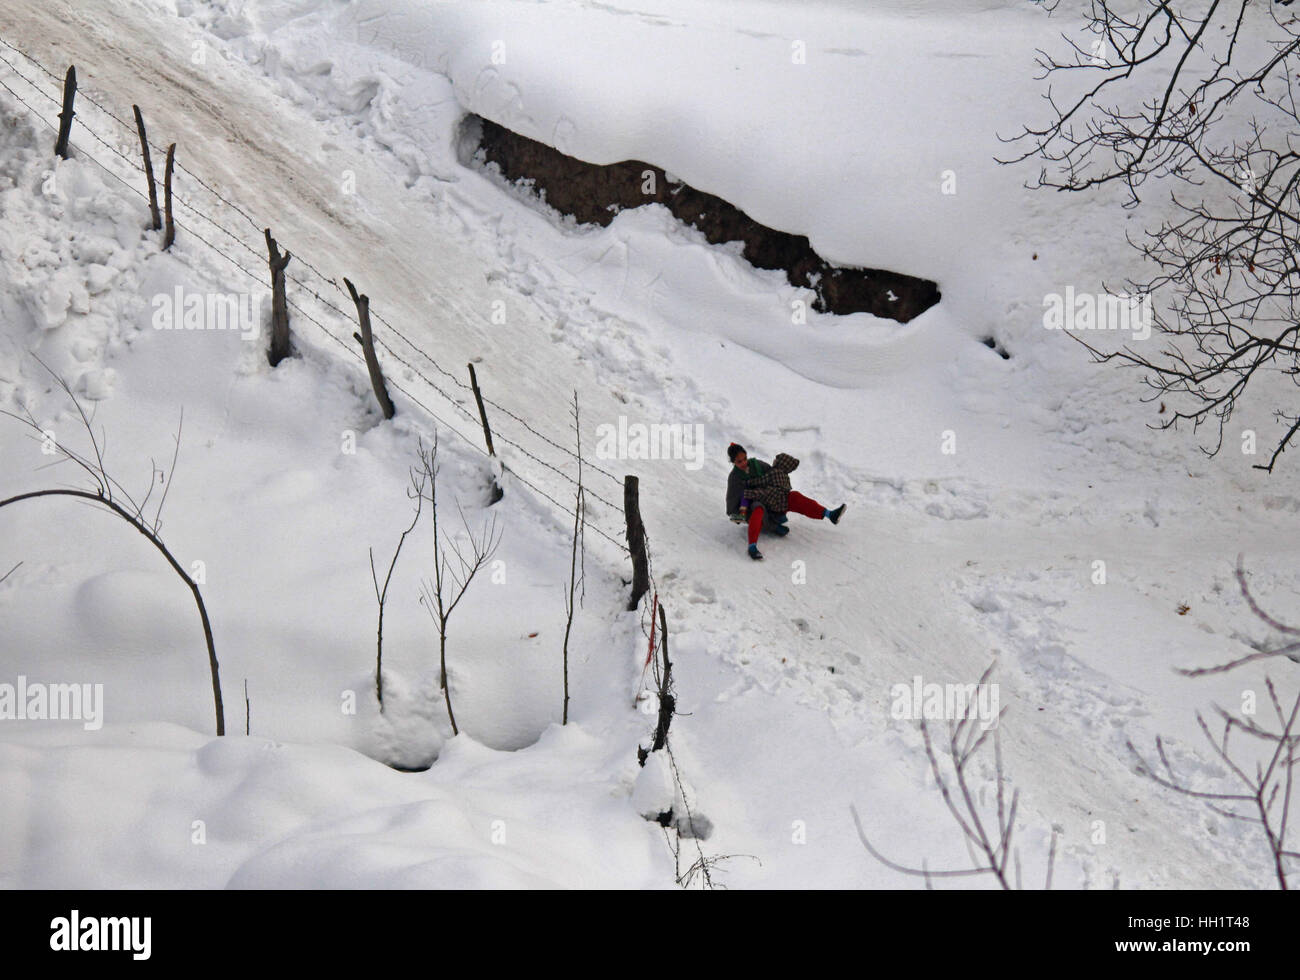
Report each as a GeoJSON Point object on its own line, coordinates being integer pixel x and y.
{"type": "Point", "coordinates": [810, 508]}
{"type": "Point", "coordinates": [805, 506]}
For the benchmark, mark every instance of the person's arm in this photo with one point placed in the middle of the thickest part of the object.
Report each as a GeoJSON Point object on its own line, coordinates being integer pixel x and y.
{"type": "Point", "coordinates": [735, 485]}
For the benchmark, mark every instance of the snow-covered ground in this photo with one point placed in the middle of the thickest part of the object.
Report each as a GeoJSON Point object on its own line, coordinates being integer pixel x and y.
{"type": "Point", "coordinates": [339, 125]}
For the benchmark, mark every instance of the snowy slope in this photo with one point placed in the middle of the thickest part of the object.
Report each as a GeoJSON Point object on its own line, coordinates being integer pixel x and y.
{"type": "Point", "coordinates": [945, 561]}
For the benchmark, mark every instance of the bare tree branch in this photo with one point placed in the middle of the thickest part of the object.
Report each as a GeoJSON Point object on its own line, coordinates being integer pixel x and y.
{"type": "Point", "coordinates": [1220, 127]}
{"type": "Point", "coordinates": [991, 853]}
{"type": "Point", "coordinates": [415, 492]}
{"type": "Point", "coordinates": [102, 496]}
{"type": "Point", "coordinates": [451, 581]}
{"type": "Point", "coordinates": [1264, 797]}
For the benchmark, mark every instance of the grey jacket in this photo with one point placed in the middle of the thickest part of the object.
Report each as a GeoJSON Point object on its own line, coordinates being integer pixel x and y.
{"type": "Point", "coordinates": [766, 485]}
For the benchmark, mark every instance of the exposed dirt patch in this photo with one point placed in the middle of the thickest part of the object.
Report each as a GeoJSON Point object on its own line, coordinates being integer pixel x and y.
{"type": "Point", "coordinates": [594, 194]}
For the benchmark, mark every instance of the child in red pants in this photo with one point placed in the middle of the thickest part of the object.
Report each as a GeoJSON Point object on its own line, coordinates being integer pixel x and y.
{"type": "Point", "coordinates": [758, 491]}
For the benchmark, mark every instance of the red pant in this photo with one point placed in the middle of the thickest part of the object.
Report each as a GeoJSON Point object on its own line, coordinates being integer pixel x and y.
{"type": "Point", "coordinates": [797, 502]}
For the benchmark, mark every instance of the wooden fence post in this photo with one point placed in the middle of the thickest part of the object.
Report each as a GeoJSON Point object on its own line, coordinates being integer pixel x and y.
{"type": "Point", "coordinates": [154, 217]}
{"type": "Point", "coordinates": [366, 339]}
{"type": "Point", "coordinates": [635, 540]}
{"type": "Point", "coordinates": [497, 492]}
{"type": "Point", "coordinates": [281, 346]}
{"type": "Point", "coordinates": [482, 412]}
{"type": "Point", "coordinates": [65, 117]}
{"type": "Point", "coordinates": [667, 703]}
{"type": "Point", "coordinates": [169, 234]}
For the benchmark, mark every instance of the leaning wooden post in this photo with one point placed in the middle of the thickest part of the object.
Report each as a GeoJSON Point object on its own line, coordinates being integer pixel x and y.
{"type": "Point", "coordinates": [482, 412]}
{"type": "Point", "coordinates": [635, 540]}
{"type": "Point", "coordinates": [366, 339]}
{"type": "Point", "coordinates": [169, 234]}
{"type": "Point", "coordinates": [65, 117]}
{"type": "Point", "coordinates": [281, 347]}
{"type": "Point", "coordinates": [497, 492]}
{"type": "Point", "coordinates": [154, 217]}
{"type": "Point", "coordinates": [667, 702]}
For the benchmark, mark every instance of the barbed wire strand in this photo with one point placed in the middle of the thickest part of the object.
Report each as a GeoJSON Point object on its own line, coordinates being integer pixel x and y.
{"type": "Point", "coordinates": [358, 356]}
{"type": "Point", "coordinates": [259, 228]}
{"type": "Point", "coordinates": [307, 315]}
{"type": "Point", "coordinates": [184, 202]}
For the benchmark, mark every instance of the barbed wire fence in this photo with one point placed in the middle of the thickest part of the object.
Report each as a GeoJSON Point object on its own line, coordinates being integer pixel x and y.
{"type": "Point", "coordinates": [305, 288]}
{"type": "Point", "coordinates": [311, 288]}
